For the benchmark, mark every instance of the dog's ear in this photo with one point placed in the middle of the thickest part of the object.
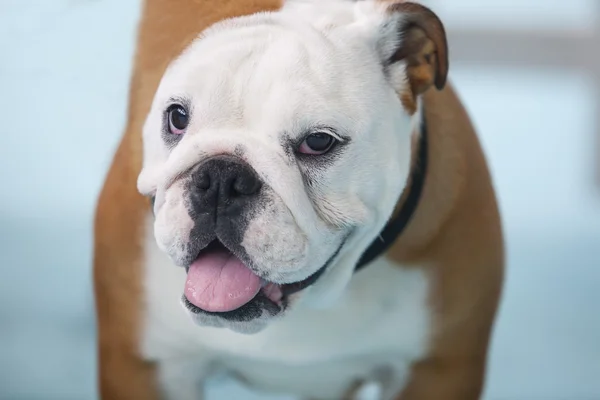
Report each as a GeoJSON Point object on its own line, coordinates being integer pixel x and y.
{"type": "Point", "coordinates": [412, 44]}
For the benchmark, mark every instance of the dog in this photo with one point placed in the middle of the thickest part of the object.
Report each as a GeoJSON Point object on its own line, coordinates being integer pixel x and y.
{"type": "Point", "coordinates": [300, 201]}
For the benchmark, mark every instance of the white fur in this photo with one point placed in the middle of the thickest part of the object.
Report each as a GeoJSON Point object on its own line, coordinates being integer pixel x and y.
{"type": "Point", "coordinates": [251, 81]}
{"type": "Point", "coordinates": [381, 320]}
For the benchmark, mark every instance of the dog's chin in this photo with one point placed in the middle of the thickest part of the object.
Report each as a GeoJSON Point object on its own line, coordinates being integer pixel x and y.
{"type": "Point", "coordinates": [233, 296]}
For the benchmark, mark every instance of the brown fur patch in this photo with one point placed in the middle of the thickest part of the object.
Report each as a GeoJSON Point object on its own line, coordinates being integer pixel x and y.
{"type": "Point", "coordinates": [456, 235]}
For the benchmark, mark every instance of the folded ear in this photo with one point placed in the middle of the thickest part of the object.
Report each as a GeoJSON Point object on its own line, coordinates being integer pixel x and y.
{"type": "Point", "coordinates": [414, 49]}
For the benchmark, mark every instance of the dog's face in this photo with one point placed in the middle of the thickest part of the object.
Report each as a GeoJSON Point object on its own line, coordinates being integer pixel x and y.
{"type": "Point", "coordinates": [277, 146]}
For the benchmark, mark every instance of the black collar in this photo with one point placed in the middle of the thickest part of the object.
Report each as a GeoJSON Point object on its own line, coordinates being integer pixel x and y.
{"type": "Point", "coordinates": [395, 227]}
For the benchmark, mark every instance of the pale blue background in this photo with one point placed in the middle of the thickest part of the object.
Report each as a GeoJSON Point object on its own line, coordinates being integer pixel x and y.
{"type": "Point", "coordinates": [64, 70]}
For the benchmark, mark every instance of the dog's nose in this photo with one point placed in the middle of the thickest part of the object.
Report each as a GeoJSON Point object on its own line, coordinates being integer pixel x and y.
{"type": "Point", "coordinates": [224, 184]}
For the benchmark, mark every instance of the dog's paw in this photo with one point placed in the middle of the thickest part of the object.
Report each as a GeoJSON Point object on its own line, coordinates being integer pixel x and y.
{"type": "Point", "coordinates": [364, 390]}
{"type": "Point", "coordinates": [368, 391]}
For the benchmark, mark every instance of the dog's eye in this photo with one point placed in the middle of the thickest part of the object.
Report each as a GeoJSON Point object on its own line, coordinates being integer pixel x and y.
{"type": "Point", "coordinates": [178, 119]}
{"type": "Point", "coordinates": [317, 143]}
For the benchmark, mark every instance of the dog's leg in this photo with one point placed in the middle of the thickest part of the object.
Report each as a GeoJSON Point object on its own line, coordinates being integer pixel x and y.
{"type": "Point", "coordinates": [118, 277]}
{"type": "Point", "coordinates": [373, 387]}
{"type": "Point", "coordinates": [122, 373]}
{"type": "Point", "coordinates": [182, 379]}
{"type": "Point", "coordinates": [361, 390]}
{"type": "Point", "coordinates": [445, 379]}
{"type": "Point", "coordinates": [430, 380]}
{"type": "Point", "coordinates": [456, 365]}
{"type": "Point", "coordinates": [125, 377]}
{"type": "Point", "coordinates": [364, 390]}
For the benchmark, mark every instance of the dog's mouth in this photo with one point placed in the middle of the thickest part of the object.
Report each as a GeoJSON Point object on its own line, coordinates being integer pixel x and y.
{"type": "Point", "coordinates": [220, 283]}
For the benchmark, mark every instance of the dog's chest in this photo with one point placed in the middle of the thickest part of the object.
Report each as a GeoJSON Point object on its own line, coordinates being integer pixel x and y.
{"type": "Point", "coordinates": [381, 321]}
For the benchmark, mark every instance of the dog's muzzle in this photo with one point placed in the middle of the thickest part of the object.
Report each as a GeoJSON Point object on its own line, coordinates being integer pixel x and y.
{"type": "Point", "coordinates": [222, 195]}
{"type": "Point", "coordinates": [222, 192]}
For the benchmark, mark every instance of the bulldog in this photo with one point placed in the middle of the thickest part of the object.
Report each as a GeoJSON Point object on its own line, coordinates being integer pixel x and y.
{"type": "Point", "coordinates": [299, 200]}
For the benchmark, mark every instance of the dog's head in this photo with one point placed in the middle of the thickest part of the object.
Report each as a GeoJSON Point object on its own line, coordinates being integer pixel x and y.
{"type": "Point", "coordinates": [277, 146]}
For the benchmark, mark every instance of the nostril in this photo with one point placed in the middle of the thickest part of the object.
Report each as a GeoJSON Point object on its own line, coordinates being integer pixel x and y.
{"type": "Point", "coordinates": [246, 185]}
{"type": "Point", "coordinates": [203, 181]}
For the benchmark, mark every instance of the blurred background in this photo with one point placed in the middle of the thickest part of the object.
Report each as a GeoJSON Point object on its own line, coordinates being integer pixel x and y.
{"type": "Point", "coordinates": [528, 72]}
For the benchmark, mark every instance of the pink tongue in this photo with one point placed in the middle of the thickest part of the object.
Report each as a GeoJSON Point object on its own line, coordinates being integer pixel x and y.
{"type": "Point", "coordinates": [220, 282]}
